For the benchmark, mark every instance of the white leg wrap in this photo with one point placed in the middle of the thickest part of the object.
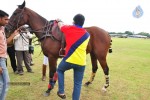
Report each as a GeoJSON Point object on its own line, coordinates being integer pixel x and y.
{"type": "Point", "coordinates": [104, 89]}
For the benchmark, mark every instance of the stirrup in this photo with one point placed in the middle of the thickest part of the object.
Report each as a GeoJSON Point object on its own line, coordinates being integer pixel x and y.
{"type": "Point", "coordinates": [61, 52]}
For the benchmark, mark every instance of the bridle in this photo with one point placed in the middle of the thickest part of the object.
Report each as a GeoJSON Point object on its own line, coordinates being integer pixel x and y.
{"type": "Point", "coordinates": [15, 21]}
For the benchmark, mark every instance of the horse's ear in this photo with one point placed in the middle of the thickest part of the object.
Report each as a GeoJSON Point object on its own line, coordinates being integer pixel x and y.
{"type": "Point", "coordinates": [22, 6]}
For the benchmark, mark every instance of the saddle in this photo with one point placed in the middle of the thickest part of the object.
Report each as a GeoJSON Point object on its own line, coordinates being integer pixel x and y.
{"type": "Point", "coordinates": [59, 36]}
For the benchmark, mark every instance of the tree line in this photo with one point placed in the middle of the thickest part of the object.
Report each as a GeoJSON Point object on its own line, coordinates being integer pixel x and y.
{"type": "Point", "coordinates": [131, 33]}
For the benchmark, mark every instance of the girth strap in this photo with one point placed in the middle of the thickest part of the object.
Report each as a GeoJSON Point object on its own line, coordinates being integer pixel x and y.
{"type": "Point", "coordinates": [62, 49]}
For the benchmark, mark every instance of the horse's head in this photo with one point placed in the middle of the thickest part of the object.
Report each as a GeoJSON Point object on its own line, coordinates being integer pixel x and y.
{"type": "Point", "coordinates": [17, 19]}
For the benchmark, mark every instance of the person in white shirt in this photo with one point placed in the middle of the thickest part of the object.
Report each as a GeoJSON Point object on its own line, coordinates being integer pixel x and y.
{"type": "Point", "coordinates": [45, 63]}
{"type": "Point", "coordinates": [21, 42]}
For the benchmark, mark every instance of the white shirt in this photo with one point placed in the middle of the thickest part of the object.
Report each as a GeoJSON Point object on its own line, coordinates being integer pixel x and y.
{"type": "Point", "coordinates": [21, 41]}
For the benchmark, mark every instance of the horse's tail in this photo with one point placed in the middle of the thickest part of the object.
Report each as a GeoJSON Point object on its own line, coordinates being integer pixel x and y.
{"type": "Point", "coordinates": [110, 49]}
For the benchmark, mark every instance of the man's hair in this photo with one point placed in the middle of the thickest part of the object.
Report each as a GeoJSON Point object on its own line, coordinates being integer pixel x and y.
{"type": "Point", "coordinates": [3, 14]}
{"type": "Point", "coordinates": [79, 19]}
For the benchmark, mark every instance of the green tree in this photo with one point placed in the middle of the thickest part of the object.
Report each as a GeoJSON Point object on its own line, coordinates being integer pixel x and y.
{"type": "Point", "coordinates": [144, 33]}
{"type": "Point", "coordinates": [128, 32]}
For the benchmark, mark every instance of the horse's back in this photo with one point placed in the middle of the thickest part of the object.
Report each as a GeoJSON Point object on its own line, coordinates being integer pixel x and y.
{"type": "Point", "coordinates": [99, 39]}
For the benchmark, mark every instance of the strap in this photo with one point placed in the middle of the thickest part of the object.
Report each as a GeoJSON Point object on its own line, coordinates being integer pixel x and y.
{"type": "Point", "coordinates": [62, 50]}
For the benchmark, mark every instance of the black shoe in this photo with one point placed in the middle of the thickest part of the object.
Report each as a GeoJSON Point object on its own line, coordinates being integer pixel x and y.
{"type": "Point", "coordinates": [20, 73]}
{"type": "Point", "coordinates": [30, 71]}
{"type": "Point", "coordinates": [16, 72]}
{"type": "Point", "coordinates": [31, 64]}
{"type": "Point", "coordinates": [61, 96]}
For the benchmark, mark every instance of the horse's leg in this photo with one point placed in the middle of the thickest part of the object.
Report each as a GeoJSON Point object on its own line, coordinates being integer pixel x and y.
{"type": "Point", "coordinates": [105, 68]}
{"type": "Point", "coordinates": [52, 75]}
{"type": "Point", "coordinates": [94, 68]}
{"type": "Point", "coordinates": [44, 72]}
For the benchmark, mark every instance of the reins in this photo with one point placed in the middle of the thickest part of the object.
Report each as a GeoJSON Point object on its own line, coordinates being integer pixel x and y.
{"type": "Point", "coordinates": [24, 38]}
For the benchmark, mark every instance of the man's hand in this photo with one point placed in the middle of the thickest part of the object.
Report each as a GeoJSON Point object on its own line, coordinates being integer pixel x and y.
{"type": "Point", "coordinates": [60, 23]}
{"type": "Point", "coordinates": [58, 20]}
{"type": "Point", "coordinates": [10, 39]}
{"type": "Point", "coordinates": [16, 32]}
{"type": "Point", "coordinates": [1, 70]}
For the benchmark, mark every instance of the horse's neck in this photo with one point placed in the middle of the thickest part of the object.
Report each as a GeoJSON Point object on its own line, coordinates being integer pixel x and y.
{"type": "Point", "coordinates": [37, 23]}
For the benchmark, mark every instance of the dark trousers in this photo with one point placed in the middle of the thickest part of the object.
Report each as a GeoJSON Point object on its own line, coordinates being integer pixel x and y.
{"type": "Point", "coordinates": [11, 53]}
{"type": "Point", "coordinates": [23, 56]}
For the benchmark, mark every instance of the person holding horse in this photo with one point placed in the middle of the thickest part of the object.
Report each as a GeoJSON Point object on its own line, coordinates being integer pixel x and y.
{"type": "Point", "coordinates": [77, 39]}
{"type": "Point", "coordinates": [4, 76]}
{"type": "Point", "coordinates": [21, 42]}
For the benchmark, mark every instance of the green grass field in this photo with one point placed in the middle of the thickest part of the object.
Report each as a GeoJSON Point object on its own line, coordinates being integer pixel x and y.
{"type": "Point", "coordinates": [129, 76]}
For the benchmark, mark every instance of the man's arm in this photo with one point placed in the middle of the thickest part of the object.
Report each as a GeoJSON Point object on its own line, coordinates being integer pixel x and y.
{"type": "Point", "coordinates": [10, 39]}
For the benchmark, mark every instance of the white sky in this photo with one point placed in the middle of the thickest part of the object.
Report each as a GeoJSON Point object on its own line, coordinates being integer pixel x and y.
{"type": "Point", "coordinates": [111, 15]}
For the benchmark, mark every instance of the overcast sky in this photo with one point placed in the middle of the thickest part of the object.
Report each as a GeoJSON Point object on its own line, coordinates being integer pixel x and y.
{"type": "Point", "coordinates": [111, 15]}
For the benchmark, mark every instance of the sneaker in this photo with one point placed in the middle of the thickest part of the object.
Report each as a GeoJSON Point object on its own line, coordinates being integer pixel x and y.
{"type": "Point", "coordinates": [62, 96]}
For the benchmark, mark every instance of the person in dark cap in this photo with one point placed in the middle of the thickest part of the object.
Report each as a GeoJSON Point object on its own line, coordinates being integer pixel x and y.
{"type": "Point", "coordinates": [79, 20]}
{"type": "Point", "coordinates": [77, 39]}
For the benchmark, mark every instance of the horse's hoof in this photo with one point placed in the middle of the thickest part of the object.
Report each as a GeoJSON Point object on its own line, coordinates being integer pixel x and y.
{"type": "Point", "coordinates": [46, 94]}
{"type": "Point", "coordinates": [87, 84]}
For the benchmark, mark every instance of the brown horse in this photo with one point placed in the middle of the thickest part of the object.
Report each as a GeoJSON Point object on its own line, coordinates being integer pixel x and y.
{"type": "Point", "coordinates": [47, 33]}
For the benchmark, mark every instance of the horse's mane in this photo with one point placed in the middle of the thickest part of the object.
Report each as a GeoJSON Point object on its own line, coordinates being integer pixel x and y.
{"type": "Point", "coordinates": [33, 12]}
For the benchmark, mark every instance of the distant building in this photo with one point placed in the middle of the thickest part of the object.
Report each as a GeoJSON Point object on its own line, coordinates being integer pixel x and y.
{"type": "Point", "coordinates": [119, 35]}
{"type": "Point", "coordinates": [137, 36]}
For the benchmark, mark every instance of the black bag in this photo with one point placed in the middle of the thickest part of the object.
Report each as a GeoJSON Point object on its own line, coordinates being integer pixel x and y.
{"type": "Point", "coordinates": [31, 49]}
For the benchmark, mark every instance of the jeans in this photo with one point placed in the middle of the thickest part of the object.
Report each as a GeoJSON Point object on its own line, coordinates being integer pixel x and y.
{"type": "Point", "coordinates": [4, 79]}
{"type": "Point", "coordinates": [78, 76]}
